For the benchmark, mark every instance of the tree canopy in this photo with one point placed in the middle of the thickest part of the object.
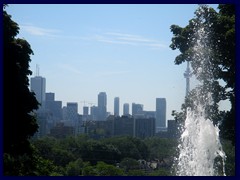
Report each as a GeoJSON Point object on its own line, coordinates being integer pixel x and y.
{"type": "Point", "coordinates": [19, 124]}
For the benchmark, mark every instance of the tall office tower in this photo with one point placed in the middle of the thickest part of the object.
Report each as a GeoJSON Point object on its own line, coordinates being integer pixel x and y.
{"type": "Point", "coordinates": [160, 112]}
{"type": "Point", "coordinates": [94, 113]}
{"type": "Point", "coordinates": [125, 109]}
{"type": "Point", "coordinates": [85, 110]}
{"type": "Point", "coordinates": [102, 106]}
{"type": "Point", "coordinates": [72, 111]}
{"type": "Point", "coordinates": [54, 107]}
{"type": "Point", "coordinates": [38, 86]}
{"type": "Point", "coordinates": [116, 106]}
{"type": "Point", "coordinates": [137, 109]}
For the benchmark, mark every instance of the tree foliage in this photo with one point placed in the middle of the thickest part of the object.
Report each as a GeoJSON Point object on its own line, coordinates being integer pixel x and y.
{"type": "Point", "coordinates": [161, 147]}
{"type": "Point", "coordinates": [19, 124]}
{"type": "Point", "coordinates": [102, 169]}
{"type": "Point", "coordinates": [218, 38]}
{"type": "Point", "coordinates": [75, 168]}
{"type": "Point", "coordinates": [81, 156]}
{"type": "Point", "coordinates": [94, 151]}
{"type": "Point", "coordinates": [129, 147]}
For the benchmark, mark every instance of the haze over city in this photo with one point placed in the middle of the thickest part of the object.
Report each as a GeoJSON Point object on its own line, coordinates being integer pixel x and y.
{"type": "Point", "coordinates": [122, 50]}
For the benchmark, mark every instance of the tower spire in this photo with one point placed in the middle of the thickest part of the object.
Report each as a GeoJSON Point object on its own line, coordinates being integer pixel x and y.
{"type": "Point", "coordinates": [187, 75]}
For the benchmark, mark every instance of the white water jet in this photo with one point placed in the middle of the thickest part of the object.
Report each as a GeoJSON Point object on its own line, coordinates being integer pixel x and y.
{"type": "Point", "coordinates": [200, 149]}
{"type": "Point", "coordinates": [200, 146]}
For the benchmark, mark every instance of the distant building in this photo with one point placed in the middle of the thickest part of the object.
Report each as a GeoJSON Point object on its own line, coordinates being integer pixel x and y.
{"type": "Point", "coordinates": [145, 114]}
{"type": "Point", "coordinates": [44, 121]}
{"type": "Point", "coordinates": [137, 109]}
{"type": "Point", "coordinates": [99, 129]}
{"type": "Point", "coordinates": [144, 127]}
{"type": "Point", "coordinates": [86, 115]}
{"type": "Point", "coordinates": [50, 96]}
{"type": "Point", "coordinates": [85, 110]}
{"type": "Point", "coordinates": [78, 126]}
{"type": "Point", "coordinates": [149, 114]}
{"type": "Point", "coordinates": [42, 125]}
{"type": "Point", "coordinates": [123, 126]}
{"type": "Point", "coordinates": [102, 106]}
{"type": "Point", "coordinates": [61, 131]}
{"type": "Point", "coordinates": [172, 129]}
{"type": "Point", "coordinates": [125, 109]}
{"type": "Point", "coordinates": [116, 106]}
{"type": "Point", "coordinates": [72, 118]}
{"type": "Point", "coordinates": [64, 113]}
{"type": "Point", "coordinates": [54, 107]}
{"type": "Point", "coordinates": [94, 113]}
{"type": "Point", "coordinates": [160, 113]}
{"type": "Point", "coordinates": [70, 112]}
{"type": "Point", "coordinates": [38, 86]}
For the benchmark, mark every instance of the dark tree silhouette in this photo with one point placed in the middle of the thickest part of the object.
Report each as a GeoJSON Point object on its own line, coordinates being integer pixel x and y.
{"type": "Point", "coordinates": [18, 122]}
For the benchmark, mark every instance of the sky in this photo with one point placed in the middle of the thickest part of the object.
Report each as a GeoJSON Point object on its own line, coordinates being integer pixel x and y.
{"type": "Point", "coordinates": [123, 50]}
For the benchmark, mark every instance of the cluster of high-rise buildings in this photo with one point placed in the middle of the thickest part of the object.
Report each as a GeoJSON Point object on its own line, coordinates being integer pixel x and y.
{"type": "Point", "coordinates": [59, 121]}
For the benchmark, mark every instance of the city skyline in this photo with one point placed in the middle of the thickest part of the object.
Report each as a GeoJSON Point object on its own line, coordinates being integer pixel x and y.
{"type": "Point", "coordinates": [122, 50]}
{"type": "Point", "coordinates": [36, 84]}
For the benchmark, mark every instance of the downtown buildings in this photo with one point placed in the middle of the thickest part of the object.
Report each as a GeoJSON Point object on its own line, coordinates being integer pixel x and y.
{"type": "Point", "coordinates": [58, 121]}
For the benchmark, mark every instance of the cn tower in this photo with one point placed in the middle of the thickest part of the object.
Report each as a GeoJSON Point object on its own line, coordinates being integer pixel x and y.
{"type": "Point", "coordinates": [187, 75]}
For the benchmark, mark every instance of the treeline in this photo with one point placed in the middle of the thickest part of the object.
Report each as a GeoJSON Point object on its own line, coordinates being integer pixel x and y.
{"type": "Point", "coordinates": [124, 155]}
{"type": "Point", "coordinates": [115, 156]}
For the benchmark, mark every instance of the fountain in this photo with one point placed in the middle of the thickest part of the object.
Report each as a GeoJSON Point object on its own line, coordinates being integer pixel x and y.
{"type": "Point", "coordinates": [200, 150]}
{"type": "Point", "coordinates": [199, 147]}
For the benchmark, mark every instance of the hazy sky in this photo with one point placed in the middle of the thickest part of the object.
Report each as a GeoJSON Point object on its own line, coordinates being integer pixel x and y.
{"type": "Point", "coordinates": [122, 50]}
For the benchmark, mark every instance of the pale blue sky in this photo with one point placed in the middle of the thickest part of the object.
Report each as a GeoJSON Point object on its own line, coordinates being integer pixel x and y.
{"type": "Point", "coordinates": [122, 50]}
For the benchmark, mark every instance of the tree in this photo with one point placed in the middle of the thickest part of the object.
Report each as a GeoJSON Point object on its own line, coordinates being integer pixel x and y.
{"type": "Point", "coordinates": [94, 151]}
{"type": "Point", "coordinates": [19, 124]}
{"type": "Point", "coordinates": [129, 164]}
{"type": "Point", "coordinates": [161, 148]}
{"type": "Point", "coordinates": [217, 37]}
{"type": "Point", "coordinates": [102, 169]}
{"type": "Point", "coordinates": [131, 147]}
{"type": "Point", "coordinates": [74, 168]}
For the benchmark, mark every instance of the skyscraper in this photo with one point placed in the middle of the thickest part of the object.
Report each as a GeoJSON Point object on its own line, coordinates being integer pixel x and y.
{"type": "Point", "coordinates": [54, 107]}
{"type": "Point", "coordinates": [125, 109]}
{"type": "Point", "coordinates": [94, 112]}
{"type": "Point", "coordinates": [116, 106]}
{"type": "Point", "coordinates": [38, 86]}
{"type": "Point", "coordinates": [160, 112]}
{"type": "Point", "coordinates": [72, 111]}
{"type": "Point", "coordinates": [102, 106]}
{"type": "Point", "coordinates": [137, 108]}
